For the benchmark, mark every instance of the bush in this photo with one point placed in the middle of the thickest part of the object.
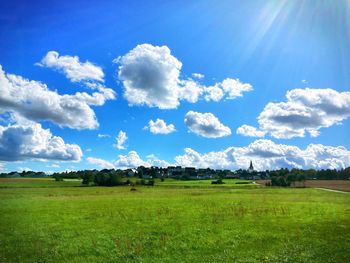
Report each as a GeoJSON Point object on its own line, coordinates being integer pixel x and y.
{"type": "Point", "coordinates": [87, 178]}
{"type": "Point", "coordinates": [58, 177]}
{"type": "Point", "coordinates": [219, 181]}
{"type": "Point", "coordinates": [107, 179]}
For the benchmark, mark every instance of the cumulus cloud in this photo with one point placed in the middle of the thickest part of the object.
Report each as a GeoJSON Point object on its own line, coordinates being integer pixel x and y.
{"type": "Point", "coordinates": [153, 160]}
{"type": "Point", "coordinates": [206, 125]}
{"type": "Point", "coordinates": [217, 160]}
{"type": "Point", "coordinates": [160, 127]}
{"type": "Point", "coordinates": [247, 130]}
{"type": "Point", "coordinates": [214, 93]}
{"type": "Point", "coordinates": [133, 160]}
{"type": "Point", "coordinates": [151, 76]}
{"type": "Point", "coordinates": [266, 154]}
{"type": "Point", "coordinates": [235, 88]}
{"type": "Point", "coordinates": [190, 90]}
{"type": "Point", "coordinates": [306, 110]}
{"type": "Point", "coordinates": [19, 142]}
{"type": "Point", "coordinates": [100, 163]}
{"type": "Point", "coordinates": [34, 101]}
{"type": "Point", "coordinates": [73, 69]}
{"type": "Point", "coordinates": [121, 140]}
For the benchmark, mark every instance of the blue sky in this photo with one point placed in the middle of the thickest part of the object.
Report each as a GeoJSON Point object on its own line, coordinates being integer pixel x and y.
{"type": "Point", "coordinates": [263, 48]}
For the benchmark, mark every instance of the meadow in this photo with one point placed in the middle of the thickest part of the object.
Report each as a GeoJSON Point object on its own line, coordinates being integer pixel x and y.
{"type": "Point", "coordinates": [48, 221]}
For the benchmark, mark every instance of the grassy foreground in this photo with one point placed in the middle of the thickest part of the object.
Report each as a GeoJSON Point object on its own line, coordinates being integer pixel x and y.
{"type": "Point", "coordinates": [162, 224]}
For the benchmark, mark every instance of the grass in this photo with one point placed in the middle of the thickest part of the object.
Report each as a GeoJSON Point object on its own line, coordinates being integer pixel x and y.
{"type": "Point", "coordinates": [166, 224]}
{"type": "Point", "coordinates": [206, 183]}
{"type": "Point", "coordinates": [37, 182]}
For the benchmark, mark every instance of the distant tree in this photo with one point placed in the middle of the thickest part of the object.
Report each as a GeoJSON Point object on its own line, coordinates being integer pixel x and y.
{"type": "Point", "coordinates": [57, 177]}
{"type": "Point", "coordinates": [87, 178]}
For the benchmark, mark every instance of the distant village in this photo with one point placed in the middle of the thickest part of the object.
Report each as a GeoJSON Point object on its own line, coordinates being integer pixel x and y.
{"type": "Point", "coordinates": [175, 172]}
{"type": "Point", "coordinates": [192, 173]}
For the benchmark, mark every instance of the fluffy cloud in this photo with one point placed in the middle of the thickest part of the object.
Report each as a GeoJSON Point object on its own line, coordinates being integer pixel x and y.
{"type": "Point", "coordinates": [206, 125]}
{"type": "Point", "coordinates": [266, 154]}
{"type": "Point", "coordinates": [100, 163]}
{"type": "Point", "coordinates": [235, 88]}
{"type": "Point", "coordinates": [306, 110]}
{"type": "Point", "coordinates": [73, 69]}
{"type": "Point", "coordinates": [121, 140]}
{"type": "Point", "coordinates": [19, 142]}
{"type": "Point", "coordinates": [153, 160]}
{"type": "Point", "coordinates": [190, 90]}
{"type": "Point", "coordinates": [133, 160]}
{"type": "Point", "coordinates": [217, 160]}
{"type": "Point", "coordinates": [151, 76]}
{"type": "Point", "coordinates": [214, 93]}
{"type": "Point", "coordinates": [34, 101]}
{"type": "Point", "coordinates": [250, 131]}
{"type": "Point", "coordinates": [160, 127]}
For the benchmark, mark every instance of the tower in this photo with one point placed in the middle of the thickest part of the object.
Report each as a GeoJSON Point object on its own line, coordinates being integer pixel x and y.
{"type": "Point", "coordinates": [251, 168]}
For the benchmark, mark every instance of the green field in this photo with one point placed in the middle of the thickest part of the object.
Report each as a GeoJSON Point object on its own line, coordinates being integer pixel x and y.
{"type": "Point", "coordinates": [47, 221]}
{"type": "Point", "coordinates": [207, 183]}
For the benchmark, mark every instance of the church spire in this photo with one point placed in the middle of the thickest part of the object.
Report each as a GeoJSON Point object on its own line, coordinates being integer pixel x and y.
{"type": "Point", "coordinates": [251, 168]}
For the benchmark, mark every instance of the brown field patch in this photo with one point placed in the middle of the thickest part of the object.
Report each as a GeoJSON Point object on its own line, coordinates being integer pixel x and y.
{"type": "Point", "coordinates": [341, 185]}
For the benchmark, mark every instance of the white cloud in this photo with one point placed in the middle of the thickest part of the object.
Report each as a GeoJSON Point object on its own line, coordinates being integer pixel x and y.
{"type": "Point", "coordinates": [131, 160]}
{"type": "Point", "coordinates": [153, 160]}
{"type": "Point", "coordinates": [103, 135]}
{"type": "Point", "coordinates": [160, 127]}
{"type": "Point", "coordinates": [214, 93]}
{"type": "Point", "coordinates": [216, 160]}
{"type": "Point", "coordinates": [2, 168]}
{"type": "Point", "coordinates": [121, 140]}
{"type": "Point", "coordinates": [19, 142]}
{"type": "Point", "coordinates": [151, 76]}
{"type": "Point", "coordinates": [190, 90]}
{"type": "Point", "coordinates": [306, 110]}
{"type": "Point", "coordinates": [34, 101]}
{"type": "Point", "coordinates": [198, 75]}
{"type": "Point", "coordinates": [266, 154]}
{"type": "Point", "coordinates": [206, 125]}
{"type": "Point", "coordinates": [73, 69]}
{"type": "Point", "coordinates": [235, 88]}
{"type": "Point", "coordinates": [100, 163]}
{"type": "Point", "coordinates": [247, 130]}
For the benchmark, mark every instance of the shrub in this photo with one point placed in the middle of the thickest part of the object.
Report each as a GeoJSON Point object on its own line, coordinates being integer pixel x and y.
{"type": "Point", "coordinates": [107, 179]}
{"type": "Point", "coordinates": [219, 181]}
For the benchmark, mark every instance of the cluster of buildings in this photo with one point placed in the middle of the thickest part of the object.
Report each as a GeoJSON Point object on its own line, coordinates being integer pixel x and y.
{"type": "Point", "coordinates": [192, 173]}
